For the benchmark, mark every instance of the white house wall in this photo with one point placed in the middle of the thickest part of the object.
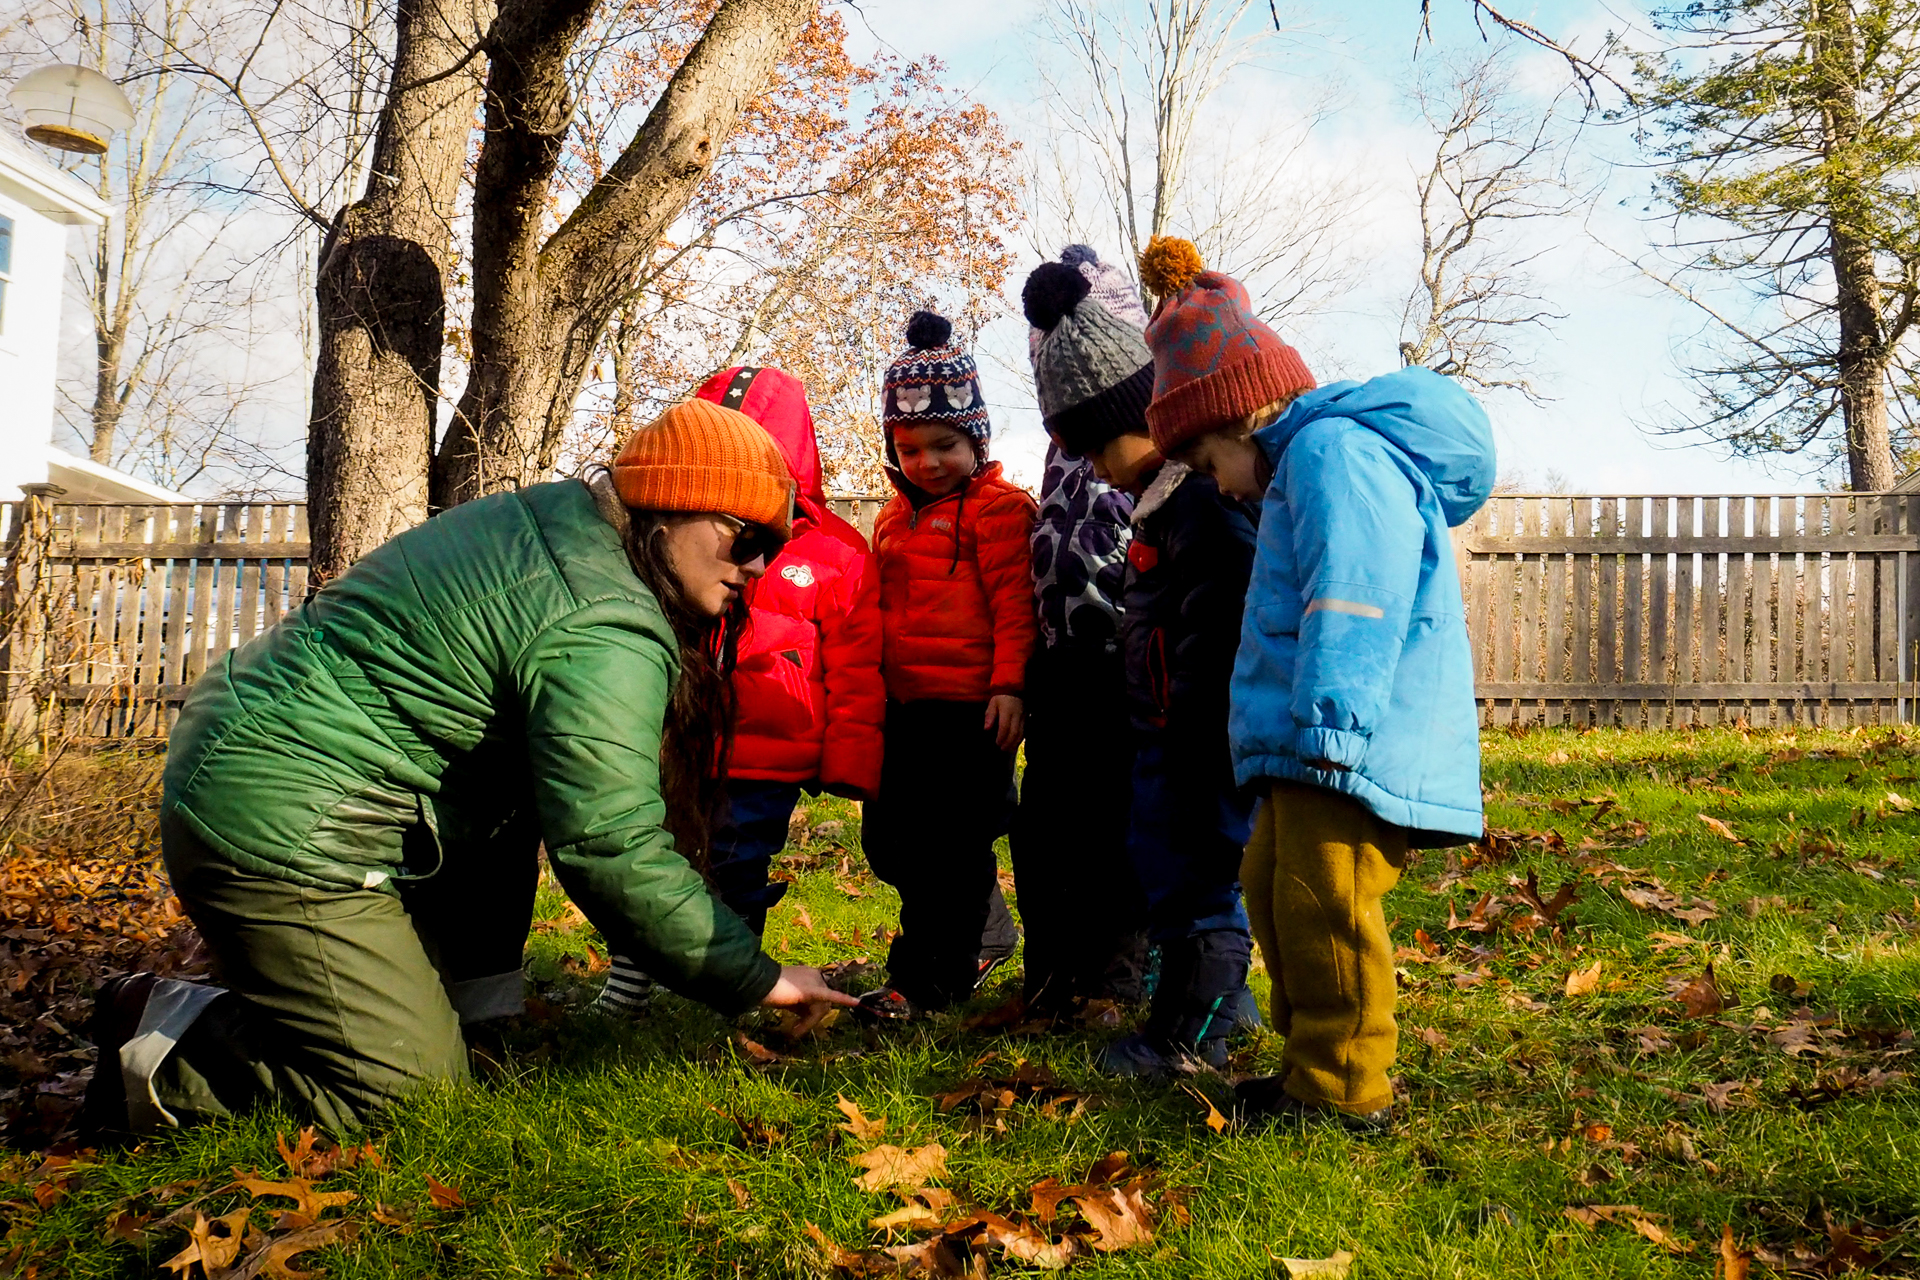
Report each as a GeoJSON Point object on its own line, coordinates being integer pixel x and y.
{"type": "Point", "coordinates": [29, 340]}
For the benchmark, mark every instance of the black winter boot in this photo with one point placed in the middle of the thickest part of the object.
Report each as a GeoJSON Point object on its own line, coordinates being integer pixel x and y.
{"type": "Point", "coordinates": [1203, 980]}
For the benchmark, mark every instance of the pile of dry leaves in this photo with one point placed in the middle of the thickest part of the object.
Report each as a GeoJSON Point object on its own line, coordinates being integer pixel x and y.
{"type": "Point", "coordinates": [68, 922]}
{"type": "Point", "coordinates": [233, 1230]}
{"type": "Point", "coordinates": [1116, 1206]}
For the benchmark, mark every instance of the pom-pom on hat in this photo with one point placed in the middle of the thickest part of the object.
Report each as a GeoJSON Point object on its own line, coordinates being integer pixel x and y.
{"type": "Point", "coordinates": [934, 381]}
{"type": "Point", "coordinates": [1214, 361]}
{"type": "Point", "coordinates": [1091, 369]}
{"type": "Point", "coordinates": [700, 456]}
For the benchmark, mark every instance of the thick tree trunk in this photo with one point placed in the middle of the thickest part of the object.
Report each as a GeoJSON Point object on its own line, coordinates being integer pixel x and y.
{"type": "Point", "coordinates": [539, 311]}
{"type": "Point", "coordinates": [382, 295]}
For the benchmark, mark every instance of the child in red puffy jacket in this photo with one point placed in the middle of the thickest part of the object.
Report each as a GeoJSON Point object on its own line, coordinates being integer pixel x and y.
{"type": "Point", "coordinates": [956, 604]}
{"type": "Point", "coordinates": [810, 702]}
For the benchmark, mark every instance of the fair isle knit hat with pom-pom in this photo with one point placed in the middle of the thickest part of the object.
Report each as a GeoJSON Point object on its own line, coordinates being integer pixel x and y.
{"type": "Point", "coordinates": [1091, 368]}
{"type": "Point", "coordinates": [1214, 361]}
{"type": "Point", "coordinates": [934, 383]}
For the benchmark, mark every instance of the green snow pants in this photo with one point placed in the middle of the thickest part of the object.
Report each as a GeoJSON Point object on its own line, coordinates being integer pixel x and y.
{"type": "Point", "coordinates": [335, 1001]}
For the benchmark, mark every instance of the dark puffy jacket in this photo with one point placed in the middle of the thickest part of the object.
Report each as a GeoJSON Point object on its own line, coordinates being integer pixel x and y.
{"type": "Point", "coordinates": [501, 657]}
{"type": "Point", "coordinates": [1079, 554]}
{"type": "Point", "coordinates": [1188, 565]}
{"type": "Point", "coordinates": [812, 702]}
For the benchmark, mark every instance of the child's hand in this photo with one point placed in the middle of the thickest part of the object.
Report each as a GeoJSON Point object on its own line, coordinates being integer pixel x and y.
{"type": "Point", "coordinates": [1006, 720]}
{"type": "Point", "coordinates": [803, 988]}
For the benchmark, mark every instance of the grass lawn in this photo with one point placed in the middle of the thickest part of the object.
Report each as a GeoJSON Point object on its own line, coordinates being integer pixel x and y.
{"type": "Point", "coordinates": [1712, 1035]}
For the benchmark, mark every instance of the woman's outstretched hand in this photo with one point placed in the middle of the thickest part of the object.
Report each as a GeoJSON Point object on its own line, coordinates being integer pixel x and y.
{"type": "Point", "coordinates": [802, 987]}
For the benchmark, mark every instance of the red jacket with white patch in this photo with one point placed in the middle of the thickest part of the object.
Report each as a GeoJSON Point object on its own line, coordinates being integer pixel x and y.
{"type": "Point", "coordinates": [811, 699]}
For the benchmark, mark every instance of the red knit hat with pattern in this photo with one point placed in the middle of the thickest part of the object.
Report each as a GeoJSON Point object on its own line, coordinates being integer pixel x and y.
{"type": "Point", "coordinates": [1214, 360]}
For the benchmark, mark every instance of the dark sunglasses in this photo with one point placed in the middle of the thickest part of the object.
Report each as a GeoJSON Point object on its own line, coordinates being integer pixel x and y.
{"type": "Point", "coordinates": [753, 542]}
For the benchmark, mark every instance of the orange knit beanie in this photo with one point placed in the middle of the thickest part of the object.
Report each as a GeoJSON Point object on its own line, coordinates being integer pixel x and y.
{"type": "Point", "coordinates": [700, 456]}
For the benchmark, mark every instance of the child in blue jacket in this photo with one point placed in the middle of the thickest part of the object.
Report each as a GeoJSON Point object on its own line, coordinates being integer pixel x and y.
{"type": "Point", "coordinates": [1352, 694]}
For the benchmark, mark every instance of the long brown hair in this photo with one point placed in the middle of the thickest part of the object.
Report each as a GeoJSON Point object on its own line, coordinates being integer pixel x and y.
{"type": "Point", "coordinates": [698, 735]}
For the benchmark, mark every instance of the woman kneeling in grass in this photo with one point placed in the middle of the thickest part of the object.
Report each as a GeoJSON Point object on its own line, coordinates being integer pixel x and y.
{"type": "Point", "coordinates": [354, 802]}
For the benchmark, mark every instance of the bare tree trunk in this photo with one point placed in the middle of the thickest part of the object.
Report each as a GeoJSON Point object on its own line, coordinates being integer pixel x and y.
{"type": "Point", "coordinates": [381, 292]}
{"type": "Point", "coordinates": [539, 310]}
{"type": "Point", "coordinates": [1863, 355]}
{"type": "Point", "coordinates": [108, 347]}
{"type": "Point", "coordinates": [1863, 367]}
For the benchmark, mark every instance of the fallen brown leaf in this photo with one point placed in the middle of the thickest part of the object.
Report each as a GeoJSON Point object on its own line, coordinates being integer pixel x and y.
{"type": "Point", "coordinates": [1215, 1121]}
{"type": "Point", "coordinates": [1733, 1262]}
{"type": "Point", "coordinates": [888, 1166]}
{"type": "Point", "coordinates": [211, 1249]}
{"type": "Point", "coordinates": [1333, 1268]}
{"type": "Point", "coordinates": [857, 1123]}
{"type": "Point", "coordinates": [1702, 996]}
{"type": "Point", "coordinates": [443, 1196]}
{"type": "Point", "coordinates": [1583, 982]}
{"type": "Point", "coordinates": [1719, 828]}
{"type": "Point", "coordinates": [757, 1053]}
{"type": "Point", "coordinates": [1718, 1095]}
{"type": "Point", "coordinates": [1119, 1215]}
{"type": "Point", "coordinates": [1632, 1216]}
{"type": "Point", "coordinates": [1548, 908]}
{"type": "Point", "coordinates": [306, 1200]}
{"type": "Point", "coordinates": [274, 1258]}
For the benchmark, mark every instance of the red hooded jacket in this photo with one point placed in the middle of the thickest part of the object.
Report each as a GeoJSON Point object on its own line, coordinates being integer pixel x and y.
{"type": "Point", "coordinates": [811, 699]}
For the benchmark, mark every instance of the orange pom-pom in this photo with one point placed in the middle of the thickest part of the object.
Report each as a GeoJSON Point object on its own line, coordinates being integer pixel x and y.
{"type": "Point", "coordinates": [1169, 265]}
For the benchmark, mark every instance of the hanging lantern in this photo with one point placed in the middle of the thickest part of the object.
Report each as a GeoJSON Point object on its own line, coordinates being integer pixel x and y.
{"type": "Point", "coordinates": [72, 108]}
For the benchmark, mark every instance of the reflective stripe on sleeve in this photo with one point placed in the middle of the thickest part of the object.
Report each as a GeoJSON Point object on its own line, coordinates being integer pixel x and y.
{"type": "Point", "coordinates": [1345, 606]}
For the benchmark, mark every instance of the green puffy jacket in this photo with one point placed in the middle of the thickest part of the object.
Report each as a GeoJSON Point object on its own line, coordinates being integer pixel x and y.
{"type": "Point", "coordinates": [500, 656]}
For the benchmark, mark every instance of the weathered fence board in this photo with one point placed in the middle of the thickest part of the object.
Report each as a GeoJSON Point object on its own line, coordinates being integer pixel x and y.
{"type": "Point", "coordinates": [1683, 609]}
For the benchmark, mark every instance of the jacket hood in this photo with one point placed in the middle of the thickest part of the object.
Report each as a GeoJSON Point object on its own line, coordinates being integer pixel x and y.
{"type": "Point", "coordinates": [1428, 417]}
{"type": "Point", "coordinates": [777, 401]}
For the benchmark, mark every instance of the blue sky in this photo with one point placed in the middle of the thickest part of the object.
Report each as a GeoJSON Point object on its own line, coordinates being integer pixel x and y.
{"type": "Point", "coordinates": [1611, 367]}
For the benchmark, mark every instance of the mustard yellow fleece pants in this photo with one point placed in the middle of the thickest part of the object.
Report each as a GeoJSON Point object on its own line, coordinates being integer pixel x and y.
{"type": "Point", "coordinates": [1314, 874]}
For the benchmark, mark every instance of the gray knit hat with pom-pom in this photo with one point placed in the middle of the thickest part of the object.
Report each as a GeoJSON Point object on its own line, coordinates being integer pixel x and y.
{"type": "Point", "coordinates": [1091, 368]}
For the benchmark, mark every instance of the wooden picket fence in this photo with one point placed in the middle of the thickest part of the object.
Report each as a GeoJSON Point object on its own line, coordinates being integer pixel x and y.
{"type": "Point", "coordinates": [1688, 609]}
{"type": "Point", "coordinates": [1614, 609]}
{"type": "Point", "coordinates": [116, 610]}
{"type": "Point", "coordinates": [112, 612]}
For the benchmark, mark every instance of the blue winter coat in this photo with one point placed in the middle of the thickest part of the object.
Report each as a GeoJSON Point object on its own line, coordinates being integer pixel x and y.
{"type": "Point", "coordinates": [1354, 646]}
